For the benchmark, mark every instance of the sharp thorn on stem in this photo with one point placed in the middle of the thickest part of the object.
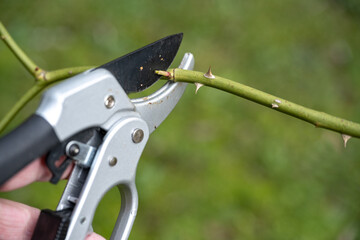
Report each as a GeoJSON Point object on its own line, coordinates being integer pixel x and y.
{"type": "Point", "coordinates": [198, 86]}
{"type": "Point", "coordinates": [209, 74]}
{"type": "Point", "coordinates": [345, 138]}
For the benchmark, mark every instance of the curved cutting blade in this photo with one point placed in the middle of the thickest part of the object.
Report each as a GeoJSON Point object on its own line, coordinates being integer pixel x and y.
{"type": "Point", "coordinates": [135, 71]}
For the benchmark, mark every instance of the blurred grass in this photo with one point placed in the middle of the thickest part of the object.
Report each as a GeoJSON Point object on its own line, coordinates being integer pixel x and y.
{"type": "Point", "coordinates": [219, 167]}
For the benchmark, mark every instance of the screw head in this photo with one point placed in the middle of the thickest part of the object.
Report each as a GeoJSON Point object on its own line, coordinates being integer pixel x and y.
{"type": "Point", "coordinates": [112, 161]}
{"type": "Point", "coordinates": [109, 102]}
{"type": "Point", "coordinates": [137, 135]}
{"type": "Point", "coordinates": [74, 150]}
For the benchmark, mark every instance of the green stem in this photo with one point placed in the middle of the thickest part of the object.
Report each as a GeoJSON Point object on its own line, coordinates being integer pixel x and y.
{"type": "Point", "coordinates": [18, 52]}
{"type": "Point", "coordinates": [43, 78]}
{"type": "Point", "coordinates": [64, 73]}
{"type": "Point", "coordinates": [319, 119]}
{"type": "Point", "coordinates": [30, 94]}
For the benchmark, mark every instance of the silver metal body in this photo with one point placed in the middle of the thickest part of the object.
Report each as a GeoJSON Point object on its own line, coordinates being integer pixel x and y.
{"type": "Point", "coordinates": [98, 100]}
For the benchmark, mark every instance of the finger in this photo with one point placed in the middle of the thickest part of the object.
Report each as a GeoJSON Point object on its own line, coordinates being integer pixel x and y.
{"type": "Point", "coordinates": [35, 171]}
{"type": "Point", "coordinates": [17, 221]}
{"type": "Point", "coordinates": [94, 236]}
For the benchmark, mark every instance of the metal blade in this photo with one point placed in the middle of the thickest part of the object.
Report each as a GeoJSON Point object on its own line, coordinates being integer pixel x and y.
{"type": "Point", "coordinates": [135, 71]}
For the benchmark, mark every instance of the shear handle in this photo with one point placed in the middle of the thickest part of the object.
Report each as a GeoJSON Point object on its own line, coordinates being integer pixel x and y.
{"type": "Point", "coordinates": [32, 139]}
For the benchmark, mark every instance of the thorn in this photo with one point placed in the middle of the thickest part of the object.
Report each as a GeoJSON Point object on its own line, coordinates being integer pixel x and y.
{"type": "Point", "coordinates": [198, 86]}
{"type": "Point", "coordinates": [209, 74]}
{"type": "Point", "coordinates": [345, 138]}
{"type": "Point", "coordinates": [277, 101]}
{"type": "Point", "coordinates": [273, 105]}
{"type": "Point", "coordinates": [3, 37]}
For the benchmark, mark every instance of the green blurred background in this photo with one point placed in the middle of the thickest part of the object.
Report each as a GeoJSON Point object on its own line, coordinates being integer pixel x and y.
{"type": "Point", "coordinates": [219, 167]}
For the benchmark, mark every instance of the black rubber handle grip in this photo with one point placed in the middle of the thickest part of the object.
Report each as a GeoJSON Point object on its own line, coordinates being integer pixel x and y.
{"type": "Point", "coordinates": [52, 225]}
{"type": "Point", "coordinates": [32, 139]}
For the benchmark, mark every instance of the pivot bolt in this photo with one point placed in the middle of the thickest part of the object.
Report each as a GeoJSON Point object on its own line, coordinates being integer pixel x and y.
{"type": "Point", "coordinates": [137, 135]}
{"type": "Point", "coordinates": [74, 150]}
{"type": "Point", "coordinates": [109, 102]}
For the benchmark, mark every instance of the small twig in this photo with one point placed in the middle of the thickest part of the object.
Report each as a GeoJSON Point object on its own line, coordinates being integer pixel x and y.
{"type": "Point", "coordinates": [43, 78]}
{"type": "Point", "coordinates": [319, 119]}
{"type": "Point", "coordinates": [64, 73]}
{"type": "Point", "coordinates": [30, 94]}
{"type": "Point", "coordinates": [32, 68]}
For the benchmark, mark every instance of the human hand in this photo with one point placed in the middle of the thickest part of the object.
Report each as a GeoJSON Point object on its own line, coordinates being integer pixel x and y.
{"type": "Point", "coordinates": [18, 221]}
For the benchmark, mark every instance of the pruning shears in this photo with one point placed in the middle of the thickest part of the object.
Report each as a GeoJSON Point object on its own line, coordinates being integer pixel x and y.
{"type": "Point", "coordinates": [90, 119]}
